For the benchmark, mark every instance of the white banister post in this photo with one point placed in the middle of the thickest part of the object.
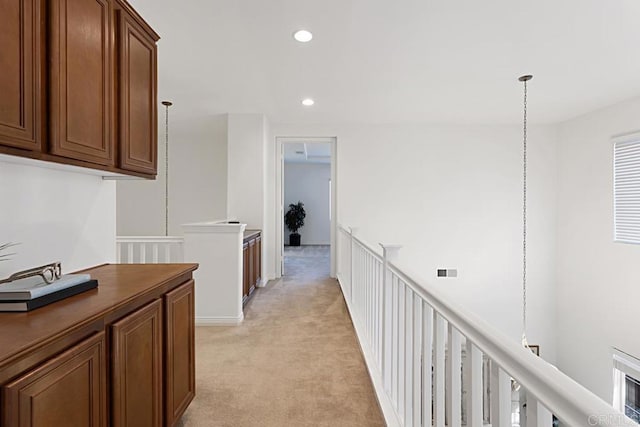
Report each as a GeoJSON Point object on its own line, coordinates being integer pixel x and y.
{"type": "Point", "coordinates": [500, 397]}
{"type": "Point", "coordinates": [351, 231]}
{"type": "Point", "coordinates": [439, 371]}
{"type": "Point", "coordinates": [427, 363]}
{"type": "Point", "coordinates": [389, 253]}
{"type": "Point", "coordinates": [473, 382]}
{"type": "Point", "coordinates": [537, 414]}
{"type": "Point", "coordinates": [454, 378]}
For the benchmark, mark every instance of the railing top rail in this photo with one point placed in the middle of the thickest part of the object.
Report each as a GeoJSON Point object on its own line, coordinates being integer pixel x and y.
{"type": "Point", "coordinates": [568, 400]}
{"type": "Point", "coordinates": [364, 244]}
{"type": "Point", "coordinates": [149, 239]}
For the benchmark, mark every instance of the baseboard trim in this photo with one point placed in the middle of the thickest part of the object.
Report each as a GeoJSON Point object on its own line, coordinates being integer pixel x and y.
{"type": "Point", "coordinates": [219, 321]}
{"type": "Point", "coordinates": [262, 283]}
{"type": "Point", "coordinates": [388, 411]}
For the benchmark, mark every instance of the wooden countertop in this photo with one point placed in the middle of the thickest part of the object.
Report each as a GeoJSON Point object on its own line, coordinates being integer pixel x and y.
{"type": "Point", "coordinates": [121, 287]}
{"type": "Point", "coordinates": [249, 234]}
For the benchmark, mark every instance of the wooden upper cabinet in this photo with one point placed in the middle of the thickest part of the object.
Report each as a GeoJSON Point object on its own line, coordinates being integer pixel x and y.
{"type": "Point", "coordinates": [78, 84]}
{"type": "Point", "coordinates": [137, 95]}
{"type": "Point", "coordinates": [81, 80]}
{"type": "Point", "coordinates": [69, 390]}
{"type": "Point", "coordinates": [21, 54]}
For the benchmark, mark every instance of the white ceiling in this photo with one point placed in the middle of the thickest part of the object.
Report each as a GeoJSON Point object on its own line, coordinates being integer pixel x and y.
{"type": "Point", "coordinates": [373, 61]}
{"type": "Point", "coordinates": [307, 152]}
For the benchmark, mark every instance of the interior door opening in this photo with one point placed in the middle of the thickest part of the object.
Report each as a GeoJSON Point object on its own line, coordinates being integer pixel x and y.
{"type": "Point", "coordinates": [307, 182]}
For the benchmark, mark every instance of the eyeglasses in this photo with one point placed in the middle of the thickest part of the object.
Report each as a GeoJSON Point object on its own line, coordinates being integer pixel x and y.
{"type": "Point", "coordinates": [49, 273]}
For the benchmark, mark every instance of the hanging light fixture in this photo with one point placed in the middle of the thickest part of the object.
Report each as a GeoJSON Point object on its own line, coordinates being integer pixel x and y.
{"type": "Point", "coordinates": [166, 104]}
{"type": "Point", "coordinates": [524, 79]}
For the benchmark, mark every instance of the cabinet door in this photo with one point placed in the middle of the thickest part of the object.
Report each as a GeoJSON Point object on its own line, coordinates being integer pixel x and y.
{"type": "Point", "coordinates": [252, 265]}
{"type": "Point", "coordinates": [180, 352]}
{"type": "Point", "coordinates": [20, 74]}
{"type": "Point", "coordinates": [137, 368]}
{"type": "Point", "coordinates": [81, 78]}
{"type": "Point", "coordinates": [69, 390]}
{"type": "Point", "coordinates": [245, 269]}
{"type": "Point", "coordinates": [258, 260]}
{"type": "Point", "coordinates": [138, 99]}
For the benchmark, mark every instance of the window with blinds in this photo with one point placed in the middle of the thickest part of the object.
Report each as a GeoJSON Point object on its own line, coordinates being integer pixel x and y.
{"type": "Point", "coordinates": [626, 188]}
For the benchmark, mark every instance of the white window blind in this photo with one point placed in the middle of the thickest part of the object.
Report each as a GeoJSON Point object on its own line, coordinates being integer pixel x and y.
{"type": "Point", "coordinates": [626, 187]}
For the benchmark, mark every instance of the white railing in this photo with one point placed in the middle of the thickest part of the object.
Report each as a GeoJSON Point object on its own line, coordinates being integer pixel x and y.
{"type": "Point", "coordinates": [433, 363]}
{"type": "Point", "coordinates": [149, 249]}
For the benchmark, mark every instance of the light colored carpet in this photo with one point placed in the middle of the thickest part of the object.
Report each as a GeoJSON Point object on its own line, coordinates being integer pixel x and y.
{"type": "Point", "coordinates": [295, 360]}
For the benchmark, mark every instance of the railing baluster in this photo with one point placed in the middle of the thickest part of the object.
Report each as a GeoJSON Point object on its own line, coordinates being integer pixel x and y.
{"type": "Point", "coordinates": [369, 288]}
{"type": "Point", "coordinates": [167, 254]}
{"type": "Point", "coordinates": [454, 379]}
{"type": "Point", "coordinates": [473, 385]}
{"type": "Point", "coordinates": [500, 396]}
{"type": "Point", "coordinates": [143, 253]}
{"type": "Point", "coordinates": [427, 363]}
{"type": "Point", "coordinates": [365, 309]}
{"type": "Point", "coordinates": [439, 373]}
{"type": "Point", "coordinates": [387, 326]}
{"type": "Point", "coordinates": [417, 360]}
{"type": "Point", "coordinates": [408, 361]}
{"type": "Point", "coordinates": [394, 340]}
{"type": "Point", "coordinates": [119, 252]}
{"type": "Point", "coordinates": [401, 348]}
{"type": "Point", "coordinates": [378, 313]}
{"type": "Point", "coordinates": [388, 306]}
{"type": "Point", "coordinates": [537, 414]}
{"type": "Point", "coordinates": [154, 253]}
{"type": "Point", "coordinates": [130, 253]}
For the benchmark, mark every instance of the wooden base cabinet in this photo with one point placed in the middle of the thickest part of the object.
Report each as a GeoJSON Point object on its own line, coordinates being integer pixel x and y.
{"type": "Point", "coordinates": [120, 355]}
{"type": "Point", "coordinates": [137, 368]}
{"type": "Point", "coordinates": [180, 378]}
{"type": "Point", "coordinates": [251, 262]}
{"type": "Point", "coordinates": [69, 390]}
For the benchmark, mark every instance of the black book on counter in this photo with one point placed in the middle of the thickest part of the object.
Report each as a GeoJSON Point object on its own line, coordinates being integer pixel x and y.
{"type": "Point", "coordinates": [28, 305]}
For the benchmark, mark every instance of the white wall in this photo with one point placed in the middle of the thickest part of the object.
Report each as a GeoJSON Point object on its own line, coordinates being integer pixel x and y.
{"type": "Point", "coordinates": [197, 178]}
{"type": "Point", "coordinates": [598, 280]}
{"type": "Point", "coordinates": [451, 195]}
{"type": "Point", "coordinates": [309, 183]}
{"type": "Point", "coordinates": [246, 169]}
{"type": "Point", "coordinates": [62, 214]}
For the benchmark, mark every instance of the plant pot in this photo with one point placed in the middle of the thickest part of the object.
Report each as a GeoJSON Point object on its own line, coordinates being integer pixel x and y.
{"type": "Point", "coordinates": [294, 239]}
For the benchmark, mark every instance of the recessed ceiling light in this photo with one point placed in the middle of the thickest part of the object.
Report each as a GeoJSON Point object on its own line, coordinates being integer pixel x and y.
{"type": "Point", "coordinates": [303, 36]}
{"type": "Point", "coordinates": [308, 102]}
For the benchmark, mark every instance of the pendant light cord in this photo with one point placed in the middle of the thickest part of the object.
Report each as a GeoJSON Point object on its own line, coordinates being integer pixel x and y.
{"type": "Point", "coordinates": [166, 104]}
{"type": "Point", "coordinates": [524, 79]}
{"type": "Point", "coordinates": [166, 173]}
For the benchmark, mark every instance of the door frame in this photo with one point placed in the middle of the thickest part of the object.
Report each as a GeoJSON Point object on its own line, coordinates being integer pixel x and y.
{"type": "Point", "coordinates": [280, 228]}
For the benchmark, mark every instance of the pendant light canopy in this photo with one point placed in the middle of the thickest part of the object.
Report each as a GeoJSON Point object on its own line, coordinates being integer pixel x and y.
{"type": "Point", "coordinates": [524, 79]}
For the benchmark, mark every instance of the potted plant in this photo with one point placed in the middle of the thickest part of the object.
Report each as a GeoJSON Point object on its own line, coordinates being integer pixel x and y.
{"type": "Point", "coordinates": [294, 219]}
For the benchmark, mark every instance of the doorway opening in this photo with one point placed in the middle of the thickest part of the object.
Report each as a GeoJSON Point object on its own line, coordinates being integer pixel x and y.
{"type": "Point", "coordinates": [307, 175]}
